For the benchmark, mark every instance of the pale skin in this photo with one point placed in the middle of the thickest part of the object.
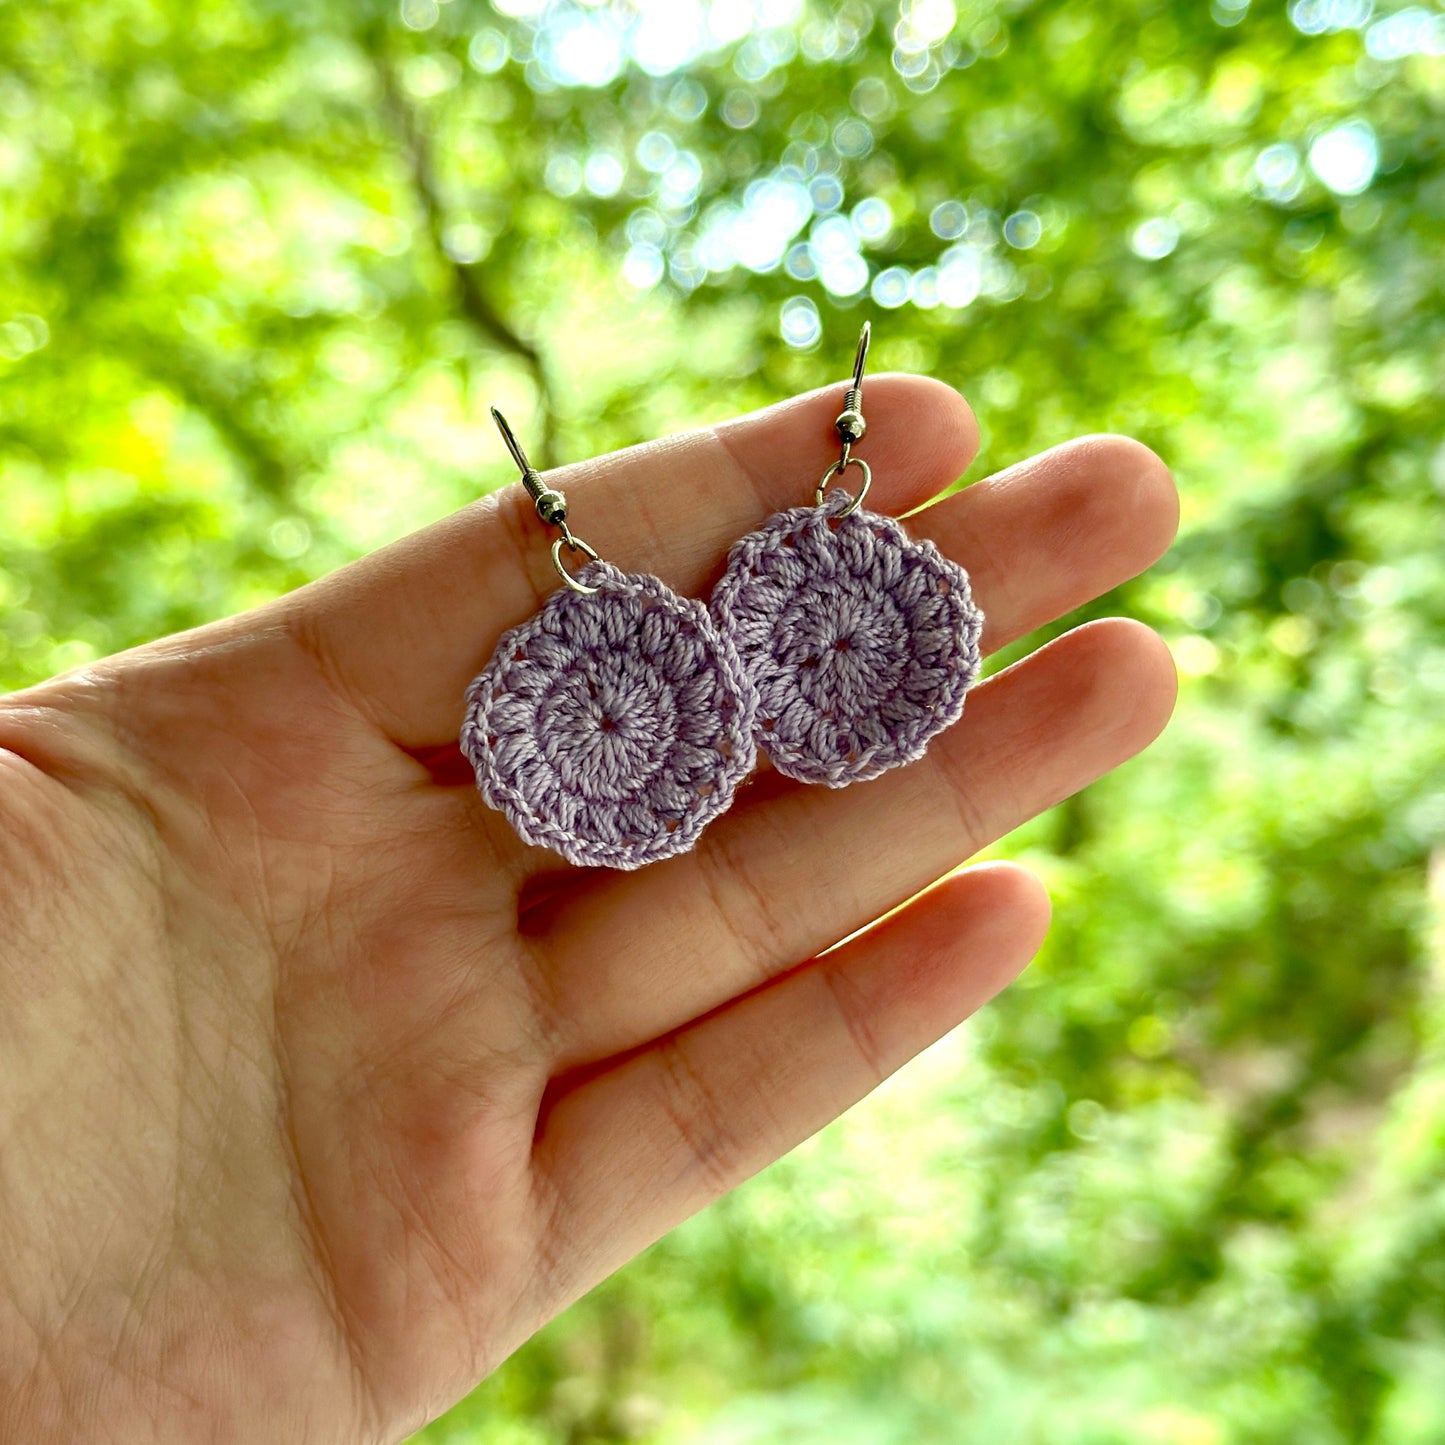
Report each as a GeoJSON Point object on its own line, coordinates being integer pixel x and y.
{"type": "Point", "coordinates": [320, 1092]}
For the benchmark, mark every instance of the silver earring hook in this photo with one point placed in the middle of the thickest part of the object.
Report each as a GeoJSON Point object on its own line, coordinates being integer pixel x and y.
{"type": "Point", "coordinates": [513, 445]}
{"type": "Point", "coordinates": [551, 507]}
{"type": "Point", "coordinates": [860, 357]}
{"type": "Point", "coordinates": [851, 428]}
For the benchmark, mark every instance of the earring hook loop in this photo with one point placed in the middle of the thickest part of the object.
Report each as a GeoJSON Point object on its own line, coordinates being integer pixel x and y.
{"type": "Point", "coordinates": [836, 469]}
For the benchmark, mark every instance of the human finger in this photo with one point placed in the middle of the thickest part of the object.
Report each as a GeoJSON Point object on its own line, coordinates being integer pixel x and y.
{"type": "Point", "coordinates": [625, 1154]}
{"type": "Point", "coordinates": [792, 870]}
{"type": "Point", "coordinates": [1056, 530]}
{"type": "Point", "coordinates": [403, 631]}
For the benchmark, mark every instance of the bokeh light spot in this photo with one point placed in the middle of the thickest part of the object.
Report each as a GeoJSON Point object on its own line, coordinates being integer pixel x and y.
{"type": "Point", "coordinates": [948, 220]}
{"type": "Point", "coordinates": [563, 176]}
{"type": "Point", "coordinates": [655, 151]}
{"type": "Point", "coordinates": [646, 228]}
{"type": "Point", "coordinates": [1277, 169]}
{"type": "Point", "coordinates": [871, 99]}
{"type": "Point", "coordinates": [826, 193]}
{"type": "Point", "coordinates": [923, 23]}
{"type": "Point", "coordinates": [853, 138]}
{"type": "Point", "coordinates": [1413, 31]}
{"type": "Point", "coordinates": [1155, 238]}
{"type": "Point", "coordinates": [685, 267]}
{"type": "Point", "coordinates": [603, 174]}
{"type": "Point", "coordinates": [667, 35]}
{"type": "Point", "coordinates": [487, 51]}
{"type": "Point", "coordinates": [419, 14]}
{"type": "Point", "coordinates": [683, 178]}
{"type": "Point", "coordinates": [22, 335]}
{"type": "Point", "coordinates": [872, 218]}
{"type": "Point", "coordinates": [1324, 17]}
{"type": "Point", "coordinates": [799, 262]}
{"type": "Point", "coordinates": [960, 276]}
{"type": "Point", "coordinates": [1022, 230]}
{"type": "Point", "coordinates": [800, 323]}
{"type": "Point", "coordinates": [923, 288]}
{"type": "Point", "coordinates": [833, 236]}
{"type": "Point", "coordinates": [1228, 13]}
{"type": "Point", "coordinates": [774, 211]}
{"type": "Point", "coordinates": [582, 48]}
{"type": "Point", "coordinates": [890, 287]}
{"type": "Point", "coordinates": [642, 267]}
{"type": "Point", "coordinates": [740, 109]}
{"type": "Point", "coordinates": [1346, 158]}
{"type": "Point", "coordinates": [466, 243]}
{"type": "Point", "coordinates": [687, 100]}
{"type": "Point", "coordinates": [844, 274]}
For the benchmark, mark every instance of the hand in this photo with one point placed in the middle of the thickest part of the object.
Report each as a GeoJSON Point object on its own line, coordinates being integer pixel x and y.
{"type": "Point", "coordinates": [321, 1093]}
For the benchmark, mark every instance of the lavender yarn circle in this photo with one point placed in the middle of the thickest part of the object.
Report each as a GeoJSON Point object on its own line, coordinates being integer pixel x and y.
{"type": "Point", "coordinates": [862, 642]}
{"type": "Point", "coordinates": [611, 728]}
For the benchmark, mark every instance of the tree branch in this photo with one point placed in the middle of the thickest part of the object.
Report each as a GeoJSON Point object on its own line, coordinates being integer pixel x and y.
{"type": "Point", "coordinates": [273, 474]}
{"type": "Point", "coordinates": [473, 301]}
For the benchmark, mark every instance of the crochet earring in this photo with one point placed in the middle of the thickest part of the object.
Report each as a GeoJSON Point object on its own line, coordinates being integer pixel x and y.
{"type": "Point", "coordinates": [615, 723]}
{"type": "Point", "coordinates": [861, 641]}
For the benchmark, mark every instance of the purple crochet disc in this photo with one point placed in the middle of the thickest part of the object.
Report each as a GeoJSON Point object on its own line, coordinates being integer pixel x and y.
{"type": "Point", "coordinates": [611, 728]}
{"type": "Point", "coordinates": [862, 641]}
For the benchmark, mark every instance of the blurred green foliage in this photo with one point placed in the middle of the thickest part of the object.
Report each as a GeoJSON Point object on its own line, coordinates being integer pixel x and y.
{"type": "Point", "coordinates": [263, 264]}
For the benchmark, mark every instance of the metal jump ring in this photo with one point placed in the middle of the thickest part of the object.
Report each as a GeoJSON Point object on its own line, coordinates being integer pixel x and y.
{"type": "Point", "coordinates": [835, 470]}
{"type": "Point", "coordinates": [577, 545]}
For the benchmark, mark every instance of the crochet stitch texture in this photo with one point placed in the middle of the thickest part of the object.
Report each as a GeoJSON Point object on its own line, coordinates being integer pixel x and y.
{"type": "Point", "coordinates": [612, 728]}
{"type": "Point", "coordinates": [862, 642]}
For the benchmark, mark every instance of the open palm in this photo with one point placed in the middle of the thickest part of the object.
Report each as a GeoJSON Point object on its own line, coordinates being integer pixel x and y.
{"type": "Point", "coordinates": [321, 1092]}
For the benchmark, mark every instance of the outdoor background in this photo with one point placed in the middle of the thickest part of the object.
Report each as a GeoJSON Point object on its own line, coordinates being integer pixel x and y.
{"type": "Point", "coordinates": [265, 263]}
